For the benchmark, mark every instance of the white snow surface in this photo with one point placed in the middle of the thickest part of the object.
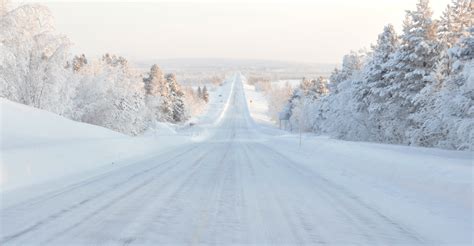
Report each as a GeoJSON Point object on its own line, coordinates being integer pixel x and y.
{"type": "Point", "coordinates": [258, 105]}
{"type": "Point", "coordinates": [39, 146]}
{"type": "Point", "coordinates": [231, 180]}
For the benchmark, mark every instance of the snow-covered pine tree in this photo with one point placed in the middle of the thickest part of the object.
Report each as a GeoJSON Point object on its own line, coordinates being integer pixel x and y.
{"type": "Point", "coordinates": [450, 119]}
{"type": "Point", "coordinates": [178, 110]}
{"type": "Point", "coordinates": [456, 19]}
{"type": "Point", "coordinates": [412, 68]}
{"type": "Point", "coordinates": [154, 83]}
{"type": "Point", "coordinates": [205, 94]}
{"type": "Point", "coordinates": [318, 88]}
{"type": "Point", "coordinates": [303, 100]}
{"type": "Point", "coordinates": [292, 107]}
{"type": "Point", "coordinates": [199, 92]}
{"type": "Point", "coordinates": [156, 91]}
{"type": "Point", "coordinates": [350, 63]}
{"type": "Point", "coordinates": [370, 92]}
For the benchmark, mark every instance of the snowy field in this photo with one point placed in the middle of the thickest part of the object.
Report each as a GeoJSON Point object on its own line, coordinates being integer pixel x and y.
{"type": "Point", "coordinates": [293, 83]}
{"type": "Point", "coordinates": [231, 178]}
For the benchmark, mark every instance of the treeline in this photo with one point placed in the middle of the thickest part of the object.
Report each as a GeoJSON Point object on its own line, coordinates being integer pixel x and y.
{"type": "Point", "coordinates": [37, 70]}
{"type": "Point", "coordinates": [416, 88]}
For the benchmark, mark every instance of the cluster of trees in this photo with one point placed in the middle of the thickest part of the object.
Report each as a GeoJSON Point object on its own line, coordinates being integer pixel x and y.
{"type": "Point", "coordinates": [416, 88]}
{"type": "Point", "coordinates": [203, 94]}
{"type": "Point", "coordinates": [37, 70]}
{"type": "Point", "coordinates": [276, 95]}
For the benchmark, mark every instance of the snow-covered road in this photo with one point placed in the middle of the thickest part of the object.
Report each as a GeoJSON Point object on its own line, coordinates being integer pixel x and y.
{"type": "Point", "coordinates": [239, 186]}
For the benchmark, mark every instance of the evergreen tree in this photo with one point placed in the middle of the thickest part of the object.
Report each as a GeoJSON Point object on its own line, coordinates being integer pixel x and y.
{"type": "Point", "coordinates": [412, 68]}
{"type": "Point", "coordinates": [155, 83]}
{"type": "Point", "coordinates": [370, 91]}
{"type": "Point", "coordinates": [449, 118]}
{"type": "Point", "coordinates": [351, 63]}
{"type": "Point", "coordinates": [205, 94]}
{"type": "Point", "coordinates": [453, 25]}
{"type": "Point", "coordinates": [156, 92]}
{"type": "Point", "coordinates": [178, 110]}
{"type": "Point", "coordinates": [318, 88]}
{"type": "Point", "coordinates": [199, 92]}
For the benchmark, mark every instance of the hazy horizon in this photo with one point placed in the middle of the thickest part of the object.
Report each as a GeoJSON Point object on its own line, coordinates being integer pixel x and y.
{"type": "Point", "coordinates": [302, 31]}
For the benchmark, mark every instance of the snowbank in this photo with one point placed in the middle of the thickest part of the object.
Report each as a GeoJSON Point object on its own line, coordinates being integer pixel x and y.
{"type": "Point", "coordinates": [257, 104]}
{"type": "Point", "coordinates": [38, 146]}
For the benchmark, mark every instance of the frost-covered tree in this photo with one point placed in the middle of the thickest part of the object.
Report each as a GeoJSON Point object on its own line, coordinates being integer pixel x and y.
{"type": "Point", "coordinates": [449, 118]}
{"type": "Point", "coordinates": [78, 62]}
{"type": "Point", "coordinates": [112, 95]}
{"type": "Point", "coordinates": [199, 92]}
{"type": "Point", "coordinates": [302, 100]}
{"type": "Point", "coordinates": [277, 99]}
{"type": "Point", "coordinates": [155, 86]}
{"type": "Point", "coordinates": [176, 97]}
{"type": "Point", "coordinates": [350, 63]}
{"type": "Point", "coordinates": [370, 92]}
{"type": "Point", "coordinates": [205, 94]}
{"type": "Point", "coordinates": [454, 23]}
{"type": "Point", "coordinates": [456, 18]}
{"type": "Point", "coordinates": [318, 88]}
{"type": "Point", "coordinates": [400, 93]}
{"type": "Point", "coordinates": [412, 68]}
{"type": "Point", "coordinates": [33, 59]}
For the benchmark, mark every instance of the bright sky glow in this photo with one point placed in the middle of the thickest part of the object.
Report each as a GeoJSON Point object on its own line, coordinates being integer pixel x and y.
{"type": "Point", "coordinates": [308, 31]}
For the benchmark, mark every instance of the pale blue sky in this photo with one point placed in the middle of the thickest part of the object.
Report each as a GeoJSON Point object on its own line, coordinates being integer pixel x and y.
{"type": "Point", "coordinates": [308, 31]}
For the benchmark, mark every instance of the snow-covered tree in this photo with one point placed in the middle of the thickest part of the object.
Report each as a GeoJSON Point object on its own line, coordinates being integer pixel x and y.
{"type": "Point", "coordinates": [370, 91]}
{"type": "Point", "coordinates": [456, 18]}
{"type": "Point", "coordinates": [199, 92]}
{"type": "Point", "coordinates": [33, 59]}
{"type": "Point", "coordinates": [412, 68]}
{"type": "Point", "coordinates": [449, 118]}
{"type": "Point", "coordinates": [454, 23]}
{"type": "Point", "coordinates": [112, 95]}
{"type": "Point", "coordinates": [78, 62]}
{"type": "Point", "coordinates": [156, 90]}
{"type": "Point", "coordinates": [302, 101]}
{"type": "Point", "coordinates": [176, 97]}
{"type": "Point", "coordinates": [351, 62]}
{"type": "Point", "coordinates": [205, 94]}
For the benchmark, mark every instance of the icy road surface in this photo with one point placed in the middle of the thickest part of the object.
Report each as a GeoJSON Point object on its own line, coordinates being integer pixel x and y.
{"type": "Point", "coordinates": [238, 186]}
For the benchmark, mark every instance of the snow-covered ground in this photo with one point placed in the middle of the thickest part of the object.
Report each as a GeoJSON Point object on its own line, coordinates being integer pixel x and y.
{"type": "Point", "coordinates": [38, 146]}
{"type": "Point", "coordinates": [258, 105]}
{"type": "Point", "coordinates": [234, 180]}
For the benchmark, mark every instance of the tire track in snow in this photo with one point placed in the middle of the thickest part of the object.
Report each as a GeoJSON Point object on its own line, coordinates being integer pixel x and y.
{"type": "Point", "coordinates": [354, 211]}
{"type": "Point", "coordinates": [176, 163]}
{"type": "Point", "coordinates": [54, 216]}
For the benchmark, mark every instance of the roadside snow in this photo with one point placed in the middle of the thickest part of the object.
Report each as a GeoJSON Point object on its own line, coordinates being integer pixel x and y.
{"type": "Point", "coordinates": [257, 104]}
{"type": "Point", "coordinates": [405, 183]}
{"type": "Point", "coordinates": [38, 146]}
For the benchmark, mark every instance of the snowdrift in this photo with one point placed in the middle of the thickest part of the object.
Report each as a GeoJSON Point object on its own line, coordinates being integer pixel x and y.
{"type": "Point", "coordinates": [38, 146]}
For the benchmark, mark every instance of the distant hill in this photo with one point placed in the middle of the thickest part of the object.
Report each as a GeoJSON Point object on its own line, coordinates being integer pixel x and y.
{"type": "Point", "coordinates": [274, 69]}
